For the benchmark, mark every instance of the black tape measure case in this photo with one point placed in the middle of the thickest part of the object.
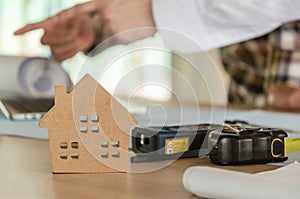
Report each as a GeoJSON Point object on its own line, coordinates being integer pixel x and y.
{"type": "Point", "coordinates": [225, 145]}
{"type": "Point", "coordinates": [235, 146]}
{"type": "Point", "coordinates": [170, 142]}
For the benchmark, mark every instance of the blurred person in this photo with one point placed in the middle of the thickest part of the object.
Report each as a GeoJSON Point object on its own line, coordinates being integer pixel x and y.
{"type": "Point", "coordinates": [265, 71]}
{"type": "Point", "coordinates": [211, 23]}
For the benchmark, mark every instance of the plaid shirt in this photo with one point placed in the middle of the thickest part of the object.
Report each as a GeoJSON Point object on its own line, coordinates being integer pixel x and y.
{"type": "Point", "coordinates": [255, 64]}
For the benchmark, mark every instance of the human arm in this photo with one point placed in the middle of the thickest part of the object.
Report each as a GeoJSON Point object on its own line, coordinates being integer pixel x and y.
{"type": "Point", "coordinates": [74, 30]}
{"type": "Point", "coordinates": [67, 32]}
{"type": "Point", "coordinates": [209, 23]}
{"type": "Point", "coordinates": [218, 23]}
{"type": "Point", "coordinates": [283, 96]}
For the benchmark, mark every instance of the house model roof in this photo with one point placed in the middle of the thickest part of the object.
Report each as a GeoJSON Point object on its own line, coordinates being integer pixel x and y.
{"type": "Point", "coordinates": [88, 130]}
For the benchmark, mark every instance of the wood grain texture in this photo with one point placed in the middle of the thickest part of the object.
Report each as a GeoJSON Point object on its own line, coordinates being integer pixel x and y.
{"type": "Point", "coordinates": [26, 173]}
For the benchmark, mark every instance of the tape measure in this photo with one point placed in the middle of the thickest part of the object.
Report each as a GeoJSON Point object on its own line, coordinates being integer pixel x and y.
{"type": "Point", "coordinates": [292, 145]}
{"type": "Point", "coordinates": [170, 142]}
{"type": "Point", "coordinates": [235, 145]}
{"type": "Point", "coordinates": [224, 144]}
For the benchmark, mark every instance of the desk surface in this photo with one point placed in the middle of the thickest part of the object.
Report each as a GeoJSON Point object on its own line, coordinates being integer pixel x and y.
{"type": "Point", "coordinates": [26, 173]}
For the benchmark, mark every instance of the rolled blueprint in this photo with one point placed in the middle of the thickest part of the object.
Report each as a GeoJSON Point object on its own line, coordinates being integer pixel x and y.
{"type": "Point", "coordinates": [218, 183]}
{"type": "Point", "coordinates": [30, 77]}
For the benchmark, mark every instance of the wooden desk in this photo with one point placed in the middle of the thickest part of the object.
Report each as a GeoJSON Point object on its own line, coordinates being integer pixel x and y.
{"type": "Point", "coordinates": [26, 173]}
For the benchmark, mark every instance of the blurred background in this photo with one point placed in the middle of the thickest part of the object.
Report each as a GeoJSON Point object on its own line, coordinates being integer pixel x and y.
{"type": "Point", "coordinates": [16, 13]}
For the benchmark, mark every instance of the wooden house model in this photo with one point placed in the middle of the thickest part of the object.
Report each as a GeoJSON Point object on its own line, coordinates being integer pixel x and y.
{"type": "Point", "coordinates": [88, 130]}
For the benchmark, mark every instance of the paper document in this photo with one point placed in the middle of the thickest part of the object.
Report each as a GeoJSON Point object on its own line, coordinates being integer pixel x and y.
{"type": "Point", "coordinates": [218, 183]}
{"type": "Point", "coordinates": [30, 77]}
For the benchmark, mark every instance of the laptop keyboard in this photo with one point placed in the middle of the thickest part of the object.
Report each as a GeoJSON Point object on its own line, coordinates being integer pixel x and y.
{"type": "Point", "coordinates": [30, 105]}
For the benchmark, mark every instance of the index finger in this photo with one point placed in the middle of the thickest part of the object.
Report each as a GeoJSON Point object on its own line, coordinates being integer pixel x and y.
{"type": "Point", "coordinates": [33, 26]}
{"type": "Point", "coordinates": [65, 15]}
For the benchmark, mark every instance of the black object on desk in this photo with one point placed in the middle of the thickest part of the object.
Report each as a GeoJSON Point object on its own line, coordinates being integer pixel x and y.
{"type": "Point", "coordinates": [171, 142]}
{"type": "Point", "coordinates": [235, 145]}
{"type": "Point", "coordinates": [225, 145]}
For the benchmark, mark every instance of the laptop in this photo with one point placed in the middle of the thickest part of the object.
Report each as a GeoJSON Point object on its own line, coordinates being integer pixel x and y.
{"type": "Point", "coordinates": [26, 109]}
{"type": "Point", "coordinates": [27, 86]}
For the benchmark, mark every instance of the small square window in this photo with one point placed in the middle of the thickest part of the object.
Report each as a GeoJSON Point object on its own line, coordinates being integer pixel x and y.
{"type": "Point", "coordinates": [115, 143]}
{"type": "Point", "coordinates": [83, 118]}
{"type": "Point", "coordinates": [104, 143]}
{"type": "Point", "coordinates": [74, 145]}
{"type": "Point", "coordinates": [95, 129]}
{"type": "Point", "coordinates": [74, 155]}
{"type": "Point", "coordinates": [63, 155]}
{"type": "Point", "coordinates": [95, 118]}
{"type": "Point", "coordinates": [104, 154]}
{"type": "Point", "coordinates": [83, 129]}
{"type": "Point", "coordinates": [63, 145]}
